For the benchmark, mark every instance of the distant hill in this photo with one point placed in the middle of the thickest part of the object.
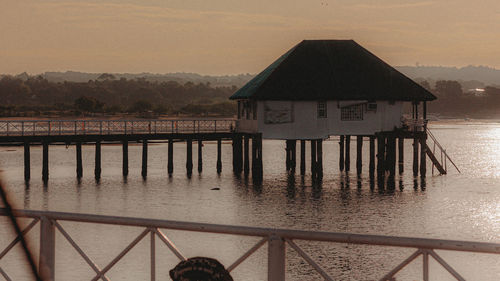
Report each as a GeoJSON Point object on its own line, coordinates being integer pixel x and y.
{"type": "Point", "coordinates": [224, 80]}
{"type": "Point", "coordinates": [485, 75]}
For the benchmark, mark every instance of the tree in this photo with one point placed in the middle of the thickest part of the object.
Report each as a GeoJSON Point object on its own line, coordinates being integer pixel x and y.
{"type": "Point", "coordinates": [141, 106]}
{"type": "Point", "coordinates": [88, 104]}
{"type": "Point", "coordinates": [448, 89]}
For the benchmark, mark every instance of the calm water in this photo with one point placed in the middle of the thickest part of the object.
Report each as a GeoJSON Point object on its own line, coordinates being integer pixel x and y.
{"type": "Point", "coordinates": [456, 206]}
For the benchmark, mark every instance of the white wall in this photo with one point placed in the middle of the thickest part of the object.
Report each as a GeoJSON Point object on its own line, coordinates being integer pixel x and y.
{"type": "Point", "coordinates": [306, 125]}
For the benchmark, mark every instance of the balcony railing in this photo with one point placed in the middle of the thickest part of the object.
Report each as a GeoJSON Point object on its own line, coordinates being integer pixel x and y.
{"type": "Point", "coordinates": [277, 240]}
{"type": "Point", "coordinates": [111, 127]}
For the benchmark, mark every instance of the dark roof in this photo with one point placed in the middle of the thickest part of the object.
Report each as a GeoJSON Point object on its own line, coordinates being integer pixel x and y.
{"type": "Point", "coordinates": [331, 70]}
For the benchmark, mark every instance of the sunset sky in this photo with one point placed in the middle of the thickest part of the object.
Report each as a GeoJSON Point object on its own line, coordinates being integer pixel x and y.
{"type": "Point", "coordinates": [233, 36]}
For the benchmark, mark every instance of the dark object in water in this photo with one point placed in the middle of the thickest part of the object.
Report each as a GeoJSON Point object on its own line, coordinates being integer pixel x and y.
{"type": "Point", "coordinates": [215, 188]}
{"type": "Point", "coordinates": [200, 269]}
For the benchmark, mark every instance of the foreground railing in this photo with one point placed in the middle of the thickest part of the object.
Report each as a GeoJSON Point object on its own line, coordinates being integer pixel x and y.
{"type": "Point", "coordinates": [109, 127]}
{"type": "Point", "coordinates": [277, 240]}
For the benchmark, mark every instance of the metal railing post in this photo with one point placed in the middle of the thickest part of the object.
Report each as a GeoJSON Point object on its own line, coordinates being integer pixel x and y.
{"type": "Point", "coordinates": [215, 126]}
{"type": "Point", "coordinates": [153, 255]}
{"type": "Point", "coordinates": [276, 259]}
{"type": "Point", "coordinates": [48, 129]}
{"type": "Point", "coordinates": [426, 265]}
{"type": "Point", "coordinates": [7, 128]}
{"type": "Point", "coordinates": [60, 127]}
{"type": "Point", "coordinates": [22, 128]}
{"type": "Point", "coordinates": [46, 266]}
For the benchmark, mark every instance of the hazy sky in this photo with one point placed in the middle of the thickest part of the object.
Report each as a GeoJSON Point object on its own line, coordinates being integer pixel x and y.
{"type": "Point", "coordinates": [233, 36]}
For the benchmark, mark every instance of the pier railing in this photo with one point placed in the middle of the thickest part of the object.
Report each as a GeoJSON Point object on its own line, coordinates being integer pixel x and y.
{"type": "Point", "coordinates": [110, 127]}
{"type": "Point", "coordinates": [277, 240]}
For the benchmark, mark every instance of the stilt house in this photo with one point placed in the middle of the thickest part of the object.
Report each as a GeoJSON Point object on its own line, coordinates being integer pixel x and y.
{"type": "Point", "coordinates": [321, 88]}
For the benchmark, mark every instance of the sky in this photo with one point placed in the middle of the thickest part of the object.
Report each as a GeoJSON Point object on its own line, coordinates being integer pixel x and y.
{"type": "Point", "coordinates": [218, 37]}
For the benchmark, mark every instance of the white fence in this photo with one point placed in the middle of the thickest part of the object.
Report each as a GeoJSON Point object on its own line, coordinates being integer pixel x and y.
{"type": "Point", "coordinates": [277, 240]}
{"type": "Point", "coordinates": [110, 127]}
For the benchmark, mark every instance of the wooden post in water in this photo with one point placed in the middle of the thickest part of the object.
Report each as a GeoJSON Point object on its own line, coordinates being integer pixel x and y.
{"type": "Point", "coordinates": [319, 158]}
{"type": "Point", "coordinates": [313, 158]}
{"type": "Point", "coordinates": [415, 156]}
{"type": "Point", "coordinates": [219, 156]}
{"type": "Point", "coordinates": [371, 167]}
{"type": "Point", "coordinates": [287, 155]}
{"type": "Point", "coordinates": [97, 168]}
{"type": "Point", "coordinates": [401, 152]}
{"type": "Point", "coordinates": [347, 153]}
{"type": "Point", "coordinates": [125, 158]}
{"type": "Point", "coordinates": [257, 167]}
{"type": "Point", "coordinates": [237, 154]}
{"type": "Point", "coordinates": [189, 157]}
{"type": "Point", "coordinates": [27, 168]}
{"type": "Point", "coordinates": [170, 163]}
{"type": "Point", "coordinates": [293, 152]}
{"type": "Point", "coordinates": [341, 153]}
{"type": "Point", "coordinates": [391, 156]}
{"type": "Point", "coordinates": [302, 157]}
{"type": "Point", "coordinates": [79, 165]}
{"type": "Point", "coordinates": [246, 154]}
{"type": "Point", "coordinates": [200, 156]}
{"type": "Point", "coordinates": [423, 162]}
{"type": "Point", "coordinates": [45, 162]}
{"type": "Point", "coordinates": [380, 155]}
{"type": "Point", "coordinates": [359, 155]}
{"type": "Point", "coordinates": [144, 171]}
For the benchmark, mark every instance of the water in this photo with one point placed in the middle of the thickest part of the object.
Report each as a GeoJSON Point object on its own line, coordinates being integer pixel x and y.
{"type": "Point", "coordinates": [462, 206]}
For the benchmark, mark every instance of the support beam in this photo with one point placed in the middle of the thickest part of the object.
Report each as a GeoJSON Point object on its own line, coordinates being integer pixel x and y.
{"type": "Point", "coordinates": [144, 171]}
{"type": "Point", "coordinates": [319, 159]}
{"type": "Point", "coordinates": [200, 156]}
{"type": "Point", "coordinates": [27, 165]}
{"type": "Point", "coordinates": [45, 162]}
{"type": "Point", "coordinates": [380, 155]}
{"type": "Point", "coordinates": [170, 163]}
{"type": "Point", "coordinates": [341, 154]}
{"type": "Point", "coordinates": [79, 165]}
{"type": "Point", "coordinates": [359, 154]}
{"type": "Point", "coordinates": [391, 157]}
{"type": "Point", "coordinates": [287, 155]}
{"type": "Point", "coordinates": [347, 153]}
{"type": "Point", "coordinates": [415, 157]}
{"type": "Point", "coordinates": [219, 156]}
{"type": "Point", "coordinates": [189, 157]}
{"type": "Point", "coordinates": [423, 162]}
{"type": "Point", "coordinates": [97, 167]}
{"type": "Point", "coordinates": [293, 152]}
{"type": "Point", "coordinates": [246, 154]}
{"type": "Point", "coordinates": [237, 154]}
{"type": "Point", "coordinates": [401, 152]}
{"type": "Point", "coordinates": [302, 157]}
{"type": "Point", "coordinates": [313, 158]}
{"type": "Point", "coordinates": [257, 167]}
{"type": "Point", "coordinates": [125, 158]}
{"type": "Point", "coordinates": [371, 167]}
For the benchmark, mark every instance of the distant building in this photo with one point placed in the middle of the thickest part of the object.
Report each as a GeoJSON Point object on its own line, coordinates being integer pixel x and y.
{"type": "Point", "coordinates": [326, 87]}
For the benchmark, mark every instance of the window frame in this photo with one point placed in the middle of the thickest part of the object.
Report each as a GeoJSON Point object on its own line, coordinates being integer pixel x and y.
{"type": "Point", "coordinates": [322, 109]}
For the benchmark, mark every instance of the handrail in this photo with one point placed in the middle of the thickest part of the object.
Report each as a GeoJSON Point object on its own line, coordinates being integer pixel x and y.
{"type": "Point", "coordinates": [429, 133]}
{"type": "Point", "coordinates": [275, 237]}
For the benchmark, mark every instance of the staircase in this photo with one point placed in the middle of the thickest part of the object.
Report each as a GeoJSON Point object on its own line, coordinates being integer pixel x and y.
{"type": "Point", "coordinates": [442, 163]}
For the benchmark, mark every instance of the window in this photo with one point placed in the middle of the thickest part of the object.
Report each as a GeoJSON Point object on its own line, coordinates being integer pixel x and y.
{"type": "Point", "coordinates": [352, 113]}
{"type": "Point", "coordinates": [371, 107]}
{"type": "Point", "coordinates": [322, 109]}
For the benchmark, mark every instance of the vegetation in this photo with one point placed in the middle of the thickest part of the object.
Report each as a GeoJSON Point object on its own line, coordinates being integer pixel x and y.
{"type": "Point", "coordinates": [36, 96]}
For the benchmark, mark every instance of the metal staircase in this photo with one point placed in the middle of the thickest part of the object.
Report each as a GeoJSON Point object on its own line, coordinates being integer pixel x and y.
{"type": "Point", "coordinates": [441, 164]}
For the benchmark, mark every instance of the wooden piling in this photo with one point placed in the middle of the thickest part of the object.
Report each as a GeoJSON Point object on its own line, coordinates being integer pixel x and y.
{"type": "Point", "coordinates": [246, 154]}
{"type": "Point", "coordinates": [371, 167]}
{"type": "Point", "coordinates": [144, 171]}
{"type": "Point", "coordinates": [27, 168]}
{"type": "Point", "coordinates": [257, 167]}
{"type": "Point", "coordinates": [189, 157]}
{"type": "Point", "coordinates": [293, 156]}
{"type": "Point", "coordinates": [97, 167]}
{"type": "Point", "coordinates": [359, 155]}
{"type": "Point", "coordinates": [423, 162]}
{"type": "Point", "coordinates": [200, 156]}
{"type": "Point", "coordinates": [313, 158]}
{"type": "Point", "coordinates": [380, 155]}
{"type": "Point", "coordinates": [125, 158]}
{"type": "Point", "coordinates": [319, 159]}
{"type": "Point", "coordinates": [391, 156]}
{"type": "Point", "coordinates": [302, 157]}
{"type": "Point", "coordinates": [45, 162]}
{"type": "Point", "coordinates": [79, 165]}
{"type": "Point", "coordinates": [415, 157]}
{"type": "Point", "coordinates": [347, 153]}
{"type": "Point", "coordinates": [219, 156]}
{"type": "Point", "coordinates": [287, 155]}
{"type": "Point", "coordinates": [341, 154]}
{"type": "Point", "coordinates": [237, 154]}
{"type": "Point", "coordinates": [170, 163]}
{"type": "Point", "coordinates": [401, 152]}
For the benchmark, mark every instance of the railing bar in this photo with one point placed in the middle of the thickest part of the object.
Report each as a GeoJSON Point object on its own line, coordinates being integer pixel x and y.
{"type": "Point", "coordinates": [425, 256]}
{"type": "Point", "coordinates": [169, 244]}
{"type": "Point", "coordinates": [122, 254]}
{"type": "Point", "coordinates": [4, 274]}
{"type": "Point", "coordinates": [78, 249]}
{"type": "Point", "coordinates": [153, 255]}
{"type": "Point", "coordinates": [247, 254]}
{"type": "Point", "coordinates": [309, 260]}
{"type": "Point", "coordinates": [18, 238]}
{"type": "Point", "coordinates": [445, 265]}
{"type": "Point", "coordinates": [413, 256]}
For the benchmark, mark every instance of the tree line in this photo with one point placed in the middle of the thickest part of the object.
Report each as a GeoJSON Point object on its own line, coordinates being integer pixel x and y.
{"type": "Point", "coordinates": [36, 95]}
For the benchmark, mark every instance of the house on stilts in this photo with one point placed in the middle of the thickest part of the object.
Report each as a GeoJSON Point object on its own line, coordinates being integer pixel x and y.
{"type": "Point", "coordinates": [323, 88]}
